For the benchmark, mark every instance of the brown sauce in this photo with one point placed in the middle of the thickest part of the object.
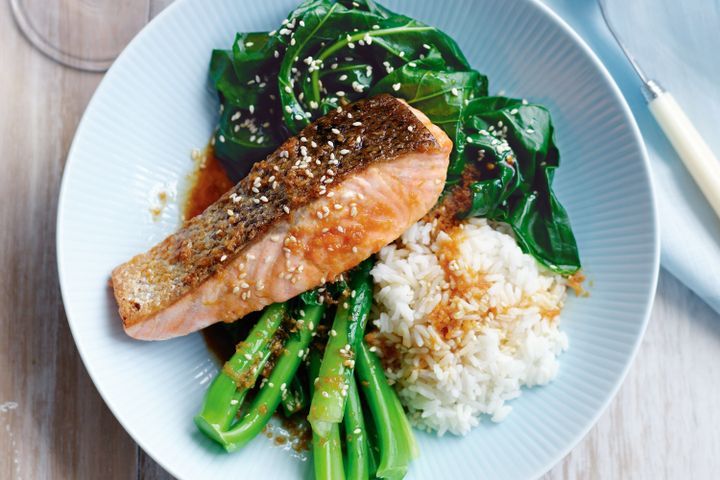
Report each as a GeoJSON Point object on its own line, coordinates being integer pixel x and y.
{"type": "Point", "coordinates": [208, 183]}
{"type": "Point", "coordinates": [218, 342]}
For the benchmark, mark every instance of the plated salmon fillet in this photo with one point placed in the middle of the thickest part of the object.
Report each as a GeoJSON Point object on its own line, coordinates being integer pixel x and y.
{"type": "Point", "coordinates": [347, 185]}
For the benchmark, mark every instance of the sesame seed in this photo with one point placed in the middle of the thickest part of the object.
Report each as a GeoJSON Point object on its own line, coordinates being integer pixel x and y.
{"type": "Point", "coordinates": [454, 91]}
{"type": "Point", "coordinates": [354, 249]}
{"type": "Point", "coordinates": [410, 128]}
{"type": "Point", "coordinates": [223, 258]}
{"type": "Point", "coordinates": [396, 86]}
{"type": "Point", "coordinates": [286, 209]}
{"type": "Point", "coordinates": [249, 44]}
{"type": "Point", "coordinates": [335, 131]}
{"type": "Point", "coordinates": [236, 289]}
{"type": "Point", "coordinates": [292, 41]}
{"type": "Point", "coordinates": [343, 77]}
{"type": "Point", "coordinates": [251, 108]}
{"type": "Point", "coordinates": [357, 431]}
{"type": "Point", "coordinates": [344, 151]}
{"type": "Point", "coordinates": [221, 138]}
{"type": "Point", "coordinates": [340, 93]}
{"type": "Point", "coordinates": [264, 199]}
{"type": "Point", "coordinates": [357, 124]}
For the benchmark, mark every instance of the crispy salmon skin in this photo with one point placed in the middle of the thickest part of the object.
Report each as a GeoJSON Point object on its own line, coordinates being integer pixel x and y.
{"type": "Point", "coordinates": [347, 185]}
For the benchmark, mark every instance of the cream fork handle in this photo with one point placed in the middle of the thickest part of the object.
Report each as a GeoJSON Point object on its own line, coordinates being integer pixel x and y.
{"type": "Point", "coordinates": [689, 145]}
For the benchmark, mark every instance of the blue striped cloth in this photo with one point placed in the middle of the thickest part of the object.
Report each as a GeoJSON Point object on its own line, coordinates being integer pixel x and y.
{"type": "Point", "coordinates": [676, 42]}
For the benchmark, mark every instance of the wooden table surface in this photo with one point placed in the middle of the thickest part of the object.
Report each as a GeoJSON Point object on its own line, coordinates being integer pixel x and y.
{"type": "Point", "coordinates": [664, 423]}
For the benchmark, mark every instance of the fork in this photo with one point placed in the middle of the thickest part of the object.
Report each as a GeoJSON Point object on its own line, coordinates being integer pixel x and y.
{"type": "Point", "coordinates": [678, 128]}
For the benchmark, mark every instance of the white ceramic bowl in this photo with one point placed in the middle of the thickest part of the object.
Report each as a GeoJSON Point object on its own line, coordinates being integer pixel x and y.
{"type": "Point", "coordinates": [155, 105]}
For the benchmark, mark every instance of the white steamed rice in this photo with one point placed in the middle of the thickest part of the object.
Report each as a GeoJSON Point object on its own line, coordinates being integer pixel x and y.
{"type": "Point", "coordinates": [504, 330]}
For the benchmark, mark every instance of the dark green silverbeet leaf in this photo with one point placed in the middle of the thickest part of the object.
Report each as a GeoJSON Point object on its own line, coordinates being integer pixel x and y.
{"type": "Point", "coordinates": [329, 53]}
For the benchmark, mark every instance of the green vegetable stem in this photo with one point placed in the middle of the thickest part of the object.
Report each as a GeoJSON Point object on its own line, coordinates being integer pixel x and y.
{"type": "Point", "coordinates": [295, 398]}
{"type": "Point", "coordinates": [395, 438]}
{"type": "Point", "coordinates": [227, 392]}
{"type": "Point", "coordinates": [338, 363]}
{"type": "Point", "coordinates": [269, 396]}
{"type": "Point", "coordinates": [357, 457]}
{"type": "Point", "coordinates": [327, 451]}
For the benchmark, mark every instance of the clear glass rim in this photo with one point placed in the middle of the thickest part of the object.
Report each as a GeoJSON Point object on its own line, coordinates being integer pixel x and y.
{"type": "Point", "coordinates": [39, 41]}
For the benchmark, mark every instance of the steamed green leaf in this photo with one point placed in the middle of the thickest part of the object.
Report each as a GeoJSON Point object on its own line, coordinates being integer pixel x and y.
{"type": "Point", "coordinates": [512, 144]}
{"type": "Point", "coordinates": [328, 53]}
